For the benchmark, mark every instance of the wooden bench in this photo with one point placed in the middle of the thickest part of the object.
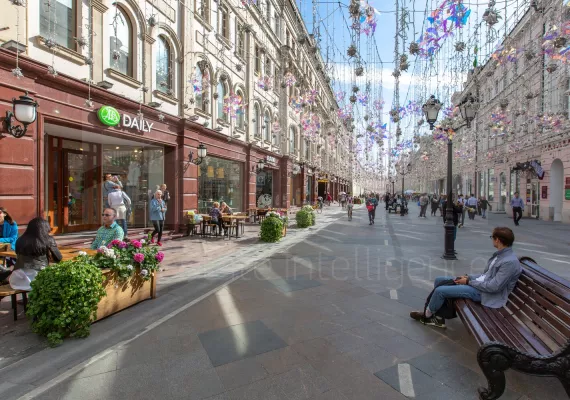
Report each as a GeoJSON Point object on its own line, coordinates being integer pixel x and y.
{"type": "Point", "coordinates": [531, 334]}
{"type": "Point", "coordinates": [6, 290]}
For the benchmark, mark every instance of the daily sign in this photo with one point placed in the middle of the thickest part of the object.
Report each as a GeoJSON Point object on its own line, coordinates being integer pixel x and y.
{"type": "Point", "coordinates": [110, 116]}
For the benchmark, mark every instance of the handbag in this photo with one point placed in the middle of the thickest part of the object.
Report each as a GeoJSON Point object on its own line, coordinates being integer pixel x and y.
{"type": "Point", "coordinates": [20, 279]}
{"type": "Point", "coordinates": [447, 310]}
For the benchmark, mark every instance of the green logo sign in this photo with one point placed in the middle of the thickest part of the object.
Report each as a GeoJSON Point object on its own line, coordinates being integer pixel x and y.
{"type": "Point", "coordinates": [109, 116]}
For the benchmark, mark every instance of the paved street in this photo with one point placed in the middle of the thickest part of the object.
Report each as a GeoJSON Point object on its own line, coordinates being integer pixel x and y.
{"type": "Point", "coordinates": [322, 315]}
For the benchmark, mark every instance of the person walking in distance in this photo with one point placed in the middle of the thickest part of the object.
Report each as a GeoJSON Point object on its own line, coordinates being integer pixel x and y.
{"type": "Point", "coordinates": [121, 203]}
{"type": "Point", "coordinates": [434, 204]}
{"type": "Point", "coordinates": [484, 204]}
{"type": "Point", "coordinates": [472, 206]}
{"type": "Point", "coordinates": [157, 213]}
{"type": "Point", "coordinates": [165, 193]}
{"type": "Point", "coordinates": [462, 201]}
{"type": "Point", "coordinates": [424, 201]}
{"type": "Point", "coordinates": [387, 200]}
{"type": "Point", "coordinates": [518, 207]}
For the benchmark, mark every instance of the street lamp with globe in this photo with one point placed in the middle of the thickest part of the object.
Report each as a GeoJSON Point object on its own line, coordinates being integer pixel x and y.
{"type": "Point", "coordinates": [431, 110]}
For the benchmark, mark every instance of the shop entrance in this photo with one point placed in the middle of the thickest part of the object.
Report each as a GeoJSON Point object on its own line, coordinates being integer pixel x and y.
{"type": "Point", "coordinates": [73, 201]}
{"type": "Point", "coordinates": [77, 163]}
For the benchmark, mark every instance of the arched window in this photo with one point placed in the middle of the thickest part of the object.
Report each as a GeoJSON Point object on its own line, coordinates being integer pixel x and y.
{"type": "Point", "coordinates": [240, 120]}
{"type": "Point", "coordinates": [201, 85]}
{"type": "Point", "coordinates": [256, 117]}
{"type": "Point", "coordinates": [222, 92]}
{"type": "Point", "coordinates": [164, 66]}
{"type": "Point", "coordinates": [58, 22]}
{"type": "Point", "coordinates": [267, 127]}
{"type": "Point", "coordinates": [292, 140]}
{"type": "Point", "coordinates": [121, 42]}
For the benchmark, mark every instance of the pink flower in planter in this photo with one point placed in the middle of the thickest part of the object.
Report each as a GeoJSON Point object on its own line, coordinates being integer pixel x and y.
{"type": "Point", "coordinates": [139, 257]}
{"type": "Point", "coordinates": [115, 242]}
{"type": "Point", "coordinates": [123, 245]}
{"type": "Point", "coordinates": [136, 244]}
{"type": "Point", "coordinates": [159, 256]}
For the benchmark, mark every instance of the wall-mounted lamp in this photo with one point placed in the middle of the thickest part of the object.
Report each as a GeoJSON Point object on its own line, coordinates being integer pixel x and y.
{"type": "Point", "coordinates": [202, 152]}
{"type": "Point", "coordinates": [24, 111]}
{"type": "Point", "coordinates": [259, 167]}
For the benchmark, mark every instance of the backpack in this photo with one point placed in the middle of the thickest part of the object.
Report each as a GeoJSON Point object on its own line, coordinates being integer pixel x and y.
{"type": "Point", "coordinates": [447, 310]}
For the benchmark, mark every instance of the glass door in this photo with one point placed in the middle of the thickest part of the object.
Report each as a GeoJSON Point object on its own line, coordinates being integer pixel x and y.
{"type": "Point", "coordinates": [79, 193]}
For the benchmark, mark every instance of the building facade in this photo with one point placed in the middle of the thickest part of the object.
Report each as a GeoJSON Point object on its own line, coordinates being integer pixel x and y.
{"type": "Point", "coordinates": [131, 88]}
{"type": "Point", "coordinates": [519, 140]}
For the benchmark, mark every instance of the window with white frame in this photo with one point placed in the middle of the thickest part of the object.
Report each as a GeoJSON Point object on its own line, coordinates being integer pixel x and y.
{"type": "Point", "coordinates": [292, 140]}
{"type": "Point", "coordinates": [57, 21]}
{"type": "Point", "coordinates": [240, 120]}
{"type": "Point", "coordinates": [267, 127]}
{"type": "Point", "coordinates": [240, 40]}
{"type": "Point", "coordinates": [225, 22]}
{"type": "Point", "coordinates": [202, 9]}
{"type": "Point", "coordinates": [257, 60]}
{"type": "Point", "coordinates": [121, 49]}
{"type": "Point", "coordinates": [256, 122]}
{"type": "Point", "coordinates": [164, 66]}
{"type": "Point", "coordinates": [222, 93]}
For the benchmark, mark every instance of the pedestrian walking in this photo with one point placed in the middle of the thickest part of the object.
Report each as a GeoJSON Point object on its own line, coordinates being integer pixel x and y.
{"type": "Point", "coordinates": [463, 209]}
{"type": "Point", "coordinates": [484, 205]}
{"type": "Point", "coordinates": [371, 204]}
{"type": "Point", "coordinates": [157, 215]}
{"type": "Point", "coordinates": [165, 193]}
{"type": "Point", "coordinates": [434, 204]}
{"type": "Point", "coordinates": [472, 206]}
{"type": "Point", "coordinates": [424, 201]}
{"type": "Point", "coordinates": [387, 200]}
{"type": "Point", "coordinates": [518, 207]}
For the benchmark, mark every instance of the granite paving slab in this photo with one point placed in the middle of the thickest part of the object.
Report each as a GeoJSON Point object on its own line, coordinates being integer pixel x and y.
{"type": "Point", "coordinates": [241, 341]}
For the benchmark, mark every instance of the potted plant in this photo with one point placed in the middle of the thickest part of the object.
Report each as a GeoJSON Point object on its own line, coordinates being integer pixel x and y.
{"type": "Point", "coordinates": [271, 230]}
{"type": "Point", "coordinates": [64, 299]}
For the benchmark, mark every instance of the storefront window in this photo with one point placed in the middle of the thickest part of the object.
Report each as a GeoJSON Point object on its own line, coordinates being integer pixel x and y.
{"type": "Point", "coordinates": [264, 189]}
{"type": "Point", "coordinates": [491, 183]}
{"type": "Point", "coordinates": [220, 180]}
{"type": "Point", "coordinates": [141, 171]}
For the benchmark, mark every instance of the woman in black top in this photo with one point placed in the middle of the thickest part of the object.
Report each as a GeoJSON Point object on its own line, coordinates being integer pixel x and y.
{"type": "Point", "coordinates": [36, 248]}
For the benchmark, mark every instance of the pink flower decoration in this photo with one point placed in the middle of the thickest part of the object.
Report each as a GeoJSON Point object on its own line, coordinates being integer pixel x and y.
{"type": "Point", "coordinates": [123, 245]}
{"type": "Point", "coordinates": [136, 244]}
{"type": "Point", "coordinates": [138, 257]}
{"type": "Point", "coordinates": [159, 256]}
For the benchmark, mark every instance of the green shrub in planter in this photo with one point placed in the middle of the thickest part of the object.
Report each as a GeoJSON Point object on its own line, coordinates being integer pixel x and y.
{"type": "Point", "coordinates": [64, 298]}
{"type": "Point", "coordinates": [313, 218]}
{"type": "Point", "coordinates": [303, 219]}
{"type": "Point", "coordinates": [271, 230]}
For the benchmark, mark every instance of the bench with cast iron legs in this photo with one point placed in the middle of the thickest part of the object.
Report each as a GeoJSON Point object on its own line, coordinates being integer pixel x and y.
{"type": "Point", "coordinates": [531, 334]}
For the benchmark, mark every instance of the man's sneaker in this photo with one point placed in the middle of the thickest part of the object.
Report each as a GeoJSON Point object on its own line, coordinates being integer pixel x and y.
{"type": "Point", "coordinates": [434, 321]}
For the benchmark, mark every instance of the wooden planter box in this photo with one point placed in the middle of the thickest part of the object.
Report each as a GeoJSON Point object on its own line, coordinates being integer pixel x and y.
{"type": "Point", "coordinates": [284, 230]}
{"type": "Point", "coordinates": [126, 294]}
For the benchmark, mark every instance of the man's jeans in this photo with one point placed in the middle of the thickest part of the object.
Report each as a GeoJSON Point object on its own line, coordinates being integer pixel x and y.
{"type": "Point", "coordinates": [463, 210]}
{"type": "Point", "coordinates": [423, 210]}
{"type": "Point", "coordinates": [451, 292]}
{"type": "Point", "coordinates": [484, 212]}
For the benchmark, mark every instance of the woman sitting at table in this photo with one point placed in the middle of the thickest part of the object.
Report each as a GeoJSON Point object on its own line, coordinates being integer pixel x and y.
{"type": "Point", "coordinates": [225, 209]}
{"type": "Point", "coordinates": [9, 231]}
{"type": "Point", "coordinates": [216, 215]}
{"type": "Point", "coordinates": [36, 248]}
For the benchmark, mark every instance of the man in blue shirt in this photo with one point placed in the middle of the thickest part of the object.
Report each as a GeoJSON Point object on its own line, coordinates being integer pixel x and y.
{"type": "Point", "coordinates": [491, 288]}
{"type": "Point", "coordinates": [518, 207]}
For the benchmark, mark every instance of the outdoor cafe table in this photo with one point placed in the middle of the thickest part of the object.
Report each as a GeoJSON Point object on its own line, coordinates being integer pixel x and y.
{"type": "Point", "coordinates": [236, 218]}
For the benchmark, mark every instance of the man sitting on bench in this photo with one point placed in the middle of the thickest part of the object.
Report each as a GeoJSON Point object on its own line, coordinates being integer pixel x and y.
{"type": "Point", "coordinates": [491, 289]}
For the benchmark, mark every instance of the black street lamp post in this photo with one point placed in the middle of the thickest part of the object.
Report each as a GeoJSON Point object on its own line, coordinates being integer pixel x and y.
{"type": "Point", "coordinates": [449, 253]}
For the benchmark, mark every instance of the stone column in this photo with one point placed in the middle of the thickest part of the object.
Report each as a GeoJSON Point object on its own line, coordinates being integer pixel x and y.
{"type": "Point", "coordinates": [98, 9]}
